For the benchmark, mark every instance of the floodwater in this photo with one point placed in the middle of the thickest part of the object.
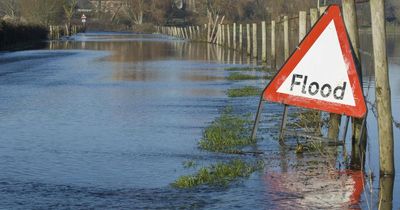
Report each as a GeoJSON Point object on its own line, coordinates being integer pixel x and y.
{"type": "Point", "coordinates": [106, 120]}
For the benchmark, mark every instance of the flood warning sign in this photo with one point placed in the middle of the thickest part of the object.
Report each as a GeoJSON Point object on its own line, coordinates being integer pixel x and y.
{"type": "Point", "coordinates": [321, 74]}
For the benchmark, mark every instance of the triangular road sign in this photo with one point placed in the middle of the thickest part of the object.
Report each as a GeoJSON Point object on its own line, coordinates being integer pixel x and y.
{"type": "Point", "coordinates": [321, 74]}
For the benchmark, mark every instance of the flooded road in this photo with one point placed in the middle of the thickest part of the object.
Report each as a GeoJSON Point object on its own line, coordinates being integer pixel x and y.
{"type": "Point", "coordinates": [107, 121]}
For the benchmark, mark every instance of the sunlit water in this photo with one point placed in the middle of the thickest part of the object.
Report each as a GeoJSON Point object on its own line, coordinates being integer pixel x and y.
{"type": "Point", "coordinates": [106, 121]}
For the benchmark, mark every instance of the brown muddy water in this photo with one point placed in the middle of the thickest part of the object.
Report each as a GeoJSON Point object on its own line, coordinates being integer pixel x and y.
{"type": "Point", "coordinates": [106, 120]}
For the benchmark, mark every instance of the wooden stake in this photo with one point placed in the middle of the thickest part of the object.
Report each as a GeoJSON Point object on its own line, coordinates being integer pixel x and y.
{"type": "Point", "coordinates": [209, 31]}
{"type": "Point", "coordinates": [322, 10]}
{"type": "Point", "coordinates": [382, 88]}
{"type": "Point", "coordinates": [240, 38]}
{"type": "Point", "coordinates": [228, 35]}
{"type": "Point", "coordinates": [219, 34]}
{"type": "Point", "coordinates": [223, 35]}
{"type": "Point", "coordinates": [273, 48]}
{"type": "Point", "coordinates": [255, 50]}
{"type": "Point", "coordinates": [386, 185]}
{"type": "Point", "coordinates": [286, 36]}
{"type": "Point", "coordinates": [198, 33]}
{"type": "Point", "coordinates": [264, 41]}
{"type": "Point", "coordinates": [234, 36]}
{"type": "Point", "coordinates": [313, 16]}
{"type": "Point", "coordinates": [248, 39]}
{"type": "Point", "coordinates": [302, 25]}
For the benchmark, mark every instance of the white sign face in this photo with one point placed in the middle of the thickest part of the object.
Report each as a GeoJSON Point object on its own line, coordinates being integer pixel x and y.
{"type": "Point", "coordinates": [330, 84]}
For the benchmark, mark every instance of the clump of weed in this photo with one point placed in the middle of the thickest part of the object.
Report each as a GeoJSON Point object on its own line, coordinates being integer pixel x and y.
{"type": "Point", "coordinates": [244, 91]}
{"type": "Point", "coordinates": [226, 133]}
{"type": "Point", "coordinates": [239, 76]}
{"type": "Point", "coordinates": [307, 120]}
{"type": "Point", "coordinates": [189, 164]}
{"type": "Point", "coordinates": [247, 68]}
{"type": "Point", "coordinates": [219, 174]}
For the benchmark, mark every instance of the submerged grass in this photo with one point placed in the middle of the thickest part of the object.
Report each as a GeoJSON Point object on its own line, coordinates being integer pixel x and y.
{"type": "Point", "coordinates": [236, 76]}
{"type": "Point", "coordinates": [219, 174]}
{"type": "Point", "coordinates": [247, 68]}
{"type": "Point", "coordinates": [240, 76]}
{"type": "Point", "coordinates": [307, 120]}
{"type": "Point", "coordinates": [227, 133]}
{"type": "Point", "coordinates": [244, 91]}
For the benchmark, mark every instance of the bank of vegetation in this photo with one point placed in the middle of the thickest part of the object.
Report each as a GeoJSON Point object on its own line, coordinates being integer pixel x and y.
{"type": "Point", "coordinates": [142, 15]}
{"type": "Point", "coordinates": [14, 34]}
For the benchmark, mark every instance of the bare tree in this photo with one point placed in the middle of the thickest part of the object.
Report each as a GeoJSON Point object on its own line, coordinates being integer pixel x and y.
{"type": "Point", "coordinates": [9, 8]}
{"type": "Point", "coordinates": [134, 10]}
{"type": "Point", "coordinates": [42, 12]}
{"type": "Point", "coordinates": [69, 10]}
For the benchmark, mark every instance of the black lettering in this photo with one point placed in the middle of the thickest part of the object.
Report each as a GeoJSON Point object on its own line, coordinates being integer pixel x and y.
{"type": "Point", "coordinates": [304, 85]}
{"type": "Point", "coordinates": [340, 88]}
{"type": "Point", "coordinates": [313, 93]}
{"type": "Point", "coordinates": [324, 93]}
{"type": "Point", "coordinates": [294, 80]}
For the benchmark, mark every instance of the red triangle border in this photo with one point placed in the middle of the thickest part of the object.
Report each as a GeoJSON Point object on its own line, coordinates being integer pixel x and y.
{"type": "Point", "coordinates": [270, 92]}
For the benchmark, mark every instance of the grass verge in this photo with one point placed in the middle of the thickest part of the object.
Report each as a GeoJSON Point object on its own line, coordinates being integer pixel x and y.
{"type": "Point", "coordinates": [219, 174]}
{"type": "Point", "coordinates": [244, 91]}
{"type": "Point", "coordinates": [226, 133]}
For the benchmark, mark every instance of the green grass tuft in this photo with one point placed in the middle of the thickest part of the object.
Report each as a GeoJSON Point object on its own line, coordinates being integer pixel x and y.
{"type": "Point", "coordinates": [226, 133]}
{"type": "Point", "coordinates": [247, 68]}
{"type": "Point", "coordinates": [219, 174]}
{"type": "Point", "coordinates": [239, 76]}
{"type": "Point", "coordinates": [244, 91]}
{"type": "Point", "coordinates": [189, 164]}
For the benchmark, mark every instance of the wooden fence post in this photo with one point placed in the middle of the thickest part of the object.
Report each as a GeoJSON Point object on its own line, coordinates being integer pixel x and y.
{"type": "Point", "coordinates": [382, 88]}
{"type": "Point", "coordinates": [240, 38]}
{"type": "Point", "coordinates": [209, 32]}
{"type": "Point", "coordinates": [286, 36]}
{"type": "Point", "coordinates": [234, 36]}
{"type": "Point", "coordinates": [273, 47]}
{"type": "Point", "coordinates": [248, 39]}
{"type": "Point", "coordinates": [186, 33]}
{"type": "Point", "coordinates": [222, 35]}
{"type": "Point", "coordinates": [264, 41]}
{"type": "Point", "coordinates": [183, 33]}
{"type": "Point", "coordinates": [302, 25]}
{"type": "Point", "coordinates": [228, 35]}
{"type": "Point", "coordinates": [322, 10]}
{"type": "Point", "coordinates": [334, 119]}
{"type": "Point", "coordinates": [313, 16]}
{"type": "Point", "coordinates": [350, 19]}
{"type": "Point", "coordinates": [219, 35]}
{"type": "Point", "coordinates": [198, 33]}
{"type": "Point", "coordinates": [386, 185]}
{"type": "Point", "coordinates": [255, 49]}
{"type": "Point", "coordinates": [191, 33]}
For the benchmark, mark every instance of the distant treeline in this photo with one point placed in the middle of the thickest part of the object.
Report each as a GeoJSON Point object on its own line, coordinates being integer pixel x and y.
{"type": "Point", "coordinates": [12, 33]}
